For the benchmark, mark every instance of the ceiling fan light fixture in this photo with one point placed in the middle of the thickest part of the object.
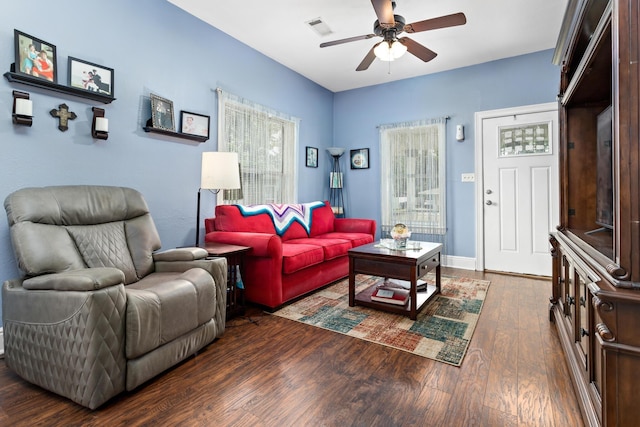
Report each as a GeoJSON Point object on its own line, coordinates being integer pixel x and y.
{"type": "Point", "coordinates": [389, 50]}
{"type": "Point", "coordinates": [398, 49]}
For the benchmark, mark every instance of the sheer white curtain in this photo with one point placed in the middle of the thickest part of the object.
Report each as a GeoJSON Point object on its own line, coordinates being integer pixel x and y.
{"type": "Point", "coordinates": [413, 178]}
{"type": "Point", "coordinates": [266, 142]}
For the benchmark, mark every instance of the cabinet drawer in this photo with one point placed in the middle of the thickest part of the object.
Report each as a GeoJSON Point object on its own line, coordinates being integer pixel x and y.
{"type": "Point", "coordinates": [428, 265]}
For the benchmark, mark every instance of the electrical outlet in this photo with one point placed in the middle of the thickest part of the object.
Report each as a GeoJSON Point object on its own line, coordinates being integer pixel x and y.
{"type": "Point", "coordinates": [468, 177]}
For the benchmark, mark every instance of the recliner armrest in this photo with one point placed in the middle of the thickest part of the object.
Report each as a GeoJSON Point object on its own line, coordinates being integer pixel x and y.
{"type": "Point", "coordinates": [180, 254]}
{"type": "Point", "coordinates": [86, 279]}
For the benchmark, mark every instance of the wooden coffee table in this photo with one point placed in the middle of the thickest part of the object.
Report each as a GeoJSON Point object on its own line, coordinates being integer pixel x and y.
{"type": "Point", "coordinates": [410, 265]}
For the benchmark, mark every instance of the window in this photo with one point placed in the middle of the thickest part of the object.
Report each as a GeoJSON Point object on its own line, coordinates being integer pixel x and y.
{"type": "Point", "coordinates": [413, 176]}
{"type": "Point", "coordinates": [266, 142]}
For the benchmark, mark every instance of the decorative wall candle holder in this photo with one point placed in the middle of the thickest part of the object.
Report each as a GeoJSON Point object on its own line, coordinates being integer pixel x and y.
{"type": "Point", "coordinates": [100, 124]}
{"type": "Point", "coordinates": [22, 109]}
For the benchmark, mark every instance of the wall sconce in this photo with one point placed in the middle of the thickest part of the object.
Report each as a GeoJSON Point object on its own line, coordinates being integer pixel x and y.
{"type": "Point", "coordinates": [220, 171]}
{"type": "Point", "coordinates": [100, 124]}
{"type": "Point", "coordinates": [22, 109]}
{"type": "Point", "coordinates": [460, 133]}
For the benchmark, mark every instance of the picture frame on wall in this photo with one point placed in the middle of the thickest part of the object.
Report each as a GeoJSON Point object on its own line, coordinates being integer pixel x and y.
{"type": "Point", "coordinates": [90, 77]}
{"type": "Point", "coordinates": [360, 158]}
{"type": "Point", "coordinates": [194, 124]}
{"type": "Point", "coordinates": [162, 113]}
{"type": "Point", "coordinates": [35, 57]}
{"type": "Point", "coordinates": [311, 157]}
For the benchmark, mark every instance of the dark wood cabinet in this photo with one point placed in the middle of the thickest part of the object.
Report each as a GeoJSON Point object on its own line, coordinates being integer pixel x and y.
{"type": "Point", "coordinates": [596, 249]}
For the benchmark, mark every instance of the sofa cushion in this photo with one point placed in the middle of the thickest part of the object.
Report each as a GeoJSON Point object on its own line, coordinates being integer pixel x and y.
{"type": "Point", "coordinates": [298, 256]}
{"type": "Point", "coordinates": [156, 308]}
{"type": "Point", "coordinates": [333, 248]}
{"type": "Point", "coordinates": [356, 239]}
{"type": "Point", "coordinates": [229, 218]}
{"type": "Point", "coordinates": [323, 218]}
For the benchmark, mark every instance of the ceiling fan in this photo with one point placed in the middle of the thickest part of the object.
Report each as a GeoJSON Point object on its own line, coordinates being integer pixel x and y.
{"type": "Point", "coordinates": [389, 26]}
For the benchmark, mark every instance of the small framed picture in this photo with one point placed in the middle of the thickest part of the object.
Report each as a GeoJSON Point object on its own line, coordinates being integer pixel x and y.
{"type": "Point", "coordinates": [194, 124]}
{"type": "Point", "coordinates": [312, 157]}
{"type": "Point", "coordinates": [162, 113]}
{"type": "Point", "coordinates": [360, 158]}
{"type": "Point", "coordinates": [35, 57]}
{"type": "Point", "coordinates": [90, 77]}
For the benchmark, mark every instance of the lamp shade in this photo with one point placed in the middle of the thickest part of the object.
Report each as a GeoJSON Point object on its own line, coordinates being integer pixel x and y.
{"type": "Point", "coordinates": [220, 171]}
{"type": "Point", "coordinates": [335, 151]}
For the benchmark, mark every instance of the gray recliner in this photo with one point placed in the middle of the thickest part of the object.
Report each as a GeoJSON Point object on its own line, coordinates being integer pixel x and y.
{"type": "Point", "coordinates": [99, 311]}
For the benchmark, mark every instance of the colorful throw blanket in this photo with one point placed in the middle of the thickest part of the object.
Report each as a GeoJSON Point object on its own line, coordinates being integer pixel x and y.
{"type": "Point", "coordinates": [283, 215]}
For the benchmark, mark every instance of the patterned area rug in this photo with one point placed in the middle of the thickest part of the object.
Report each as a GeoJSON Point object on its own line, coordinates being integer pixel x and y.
{"type": "Point", "coordinates": [442, 331]}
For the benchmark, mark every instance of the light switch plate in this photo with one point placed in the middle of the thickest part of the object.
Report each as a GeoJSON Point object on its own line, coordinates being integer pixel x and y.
{"type": "Point", "coordinates": [468, 177]}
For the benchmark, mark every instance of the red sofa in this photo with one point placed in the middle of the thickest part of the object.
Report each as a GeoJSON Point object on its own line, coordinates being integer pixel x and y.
{"type": "Point", "coordinates": [290, 260]}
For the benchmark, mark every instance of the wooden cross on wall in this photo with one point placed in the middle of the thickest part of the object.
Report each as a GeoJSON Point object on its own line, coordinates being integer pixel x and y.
{"type": "Point", "coordinates": [64, 115]}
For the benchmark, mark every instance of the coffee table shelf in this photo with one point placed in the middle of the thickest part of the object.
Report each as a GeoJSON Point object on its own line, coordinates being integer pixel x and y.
{"type": "Point", "coordinates": [363, 298]}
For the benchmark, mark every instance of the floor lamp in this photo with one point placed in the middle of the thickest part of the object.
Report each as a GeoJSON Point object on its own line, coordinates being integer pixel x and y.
{"type": "Point", "coordinates": [336, 200]}
{"type": "Point", "coordinates": [220, 171]}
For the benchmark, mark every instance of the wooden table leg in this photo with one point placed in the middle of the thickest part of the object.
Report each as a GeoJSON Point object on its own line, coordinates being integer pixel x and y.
{"type": "Point", "coordinates": [438, 280]}
{"type": "Point", "coordinates": [413, 294]}
{"type": "Point", "coordinates": [352, 284]}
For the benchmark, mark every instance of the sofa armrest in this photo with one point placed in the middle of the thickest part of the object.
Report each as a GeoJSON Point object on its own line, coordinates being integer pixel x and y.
{"type": "Point", "coordinates": [180, 254]}
{"type": "Point", "coordinates": [209, 225]}
{"type": "Point", "coordinates": [261, 244]}
{"type": "Point", "coordinates": [355, 225]}
{"type": "Point", "coordinates": [86, 279]}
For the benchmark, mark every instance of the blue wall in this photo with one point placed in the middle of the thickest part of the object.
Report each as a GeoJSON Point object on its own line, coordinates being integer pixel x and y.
{"type": "Point", "coordinates": [155, 47]}
{"type": "Point", "coordinates": [522, 80]}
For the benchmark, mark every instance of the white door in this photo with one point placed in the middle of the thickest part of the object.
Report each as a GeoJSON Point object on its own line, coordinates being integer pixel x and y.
{"type": "Point", "coordinates": [519, 191]}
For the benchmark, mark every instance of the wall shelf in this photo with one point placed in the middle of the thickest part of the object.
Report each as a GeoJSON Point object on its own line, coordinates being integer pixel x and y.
{"type": "Point", "coordinates": [13, 77]}
{"type": "Point", "coordinates": [151, 129]}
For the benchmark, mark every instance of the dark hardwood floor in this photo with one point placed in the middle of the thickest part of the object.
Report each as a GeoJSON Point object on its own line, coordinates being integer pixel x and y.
{"type": "Point", "coordinates": [277, 372]}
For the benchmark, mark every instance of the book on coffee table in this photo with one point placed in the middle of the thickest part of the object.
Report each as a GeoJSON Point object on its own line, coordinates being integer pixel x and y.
{"type": "Point", "coordinates": [395, 296]}
{"type": "Point", "coordinates": [421, 285]}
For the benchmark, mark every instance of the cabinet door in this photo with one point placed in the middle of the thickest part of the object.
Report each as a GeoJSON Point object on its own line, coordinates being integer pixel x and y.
{"type": "Point", "coordinates": [563, 283]}
{"type": "Point", "coordinates": [582, 321]}
{"type": "Point", "coordinates": [570, 296]}
{"type": "Point", "coordinates": [596, 350]}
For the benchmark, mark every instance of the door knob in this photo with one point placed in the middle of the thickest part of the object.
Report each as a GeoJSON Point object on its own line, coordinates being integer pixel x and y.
{"type": "Point", "coordinates": [489, 202]}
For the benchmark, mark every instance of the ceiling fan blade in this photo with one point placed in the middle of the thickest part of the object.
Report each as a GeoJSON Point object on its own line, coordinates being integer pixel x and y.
{"type": "Point", "coordinates": [368, 60]}
{"type": "Point", "coordinates": [435, 23]}
{"type": "Point", "coordinates": [384, 12]}
{"type": "Point", "coordinates": [347, 40]}
{"type": "Point", "coordinates": [418, 50]}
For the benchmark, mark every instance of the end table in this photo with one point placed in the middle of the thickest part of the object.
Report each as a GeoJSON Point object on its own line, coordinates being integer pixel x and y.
{"type": "Point", "coordinates": [235, 262]}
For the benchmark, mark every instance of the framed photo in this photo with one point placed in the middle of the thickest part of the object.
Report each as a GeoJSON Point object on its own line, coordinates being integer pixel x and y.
{"type": "Point", "coordinates": [162, 113]}
{"type": "Point", "coordinates": [194, 124]}
{"type": "Point", "coordinates": [312, 157]}
{"type": "Point", "coordinates": [360, 158]}
{"type": "Point", "coordinates": [90, 77]}
{"type": "Point", "coordinates": [35, 57]}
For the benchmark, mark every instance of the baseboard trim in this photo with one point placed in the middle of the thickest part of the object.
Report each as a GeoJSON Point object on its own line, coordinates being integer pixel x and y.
{"type": "Point", "coordinates": [463, 263]}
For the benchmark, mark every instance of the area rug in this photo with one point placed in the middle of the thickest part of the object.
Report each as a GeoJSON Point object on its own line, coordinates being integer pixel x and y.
{"type": "Point", "coordinates": [441, 332]}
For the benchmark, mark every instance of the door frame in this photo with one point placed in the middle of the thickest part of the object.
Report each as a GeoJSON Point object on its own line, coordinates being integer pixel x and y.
{"type": "Point", "coordinates": [480, 116]}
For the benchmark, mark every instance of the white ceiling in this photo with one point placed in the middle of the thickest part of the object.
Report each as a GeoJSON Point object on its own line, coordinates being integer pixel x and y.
{"type": "Point", "coordinates": [495, 29]}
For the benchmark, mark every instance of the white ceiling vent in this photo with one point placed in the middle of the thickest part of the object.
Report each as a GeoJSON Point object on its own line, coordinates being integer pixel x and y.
{"type": "Point", "coordinates": [319, 26]}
